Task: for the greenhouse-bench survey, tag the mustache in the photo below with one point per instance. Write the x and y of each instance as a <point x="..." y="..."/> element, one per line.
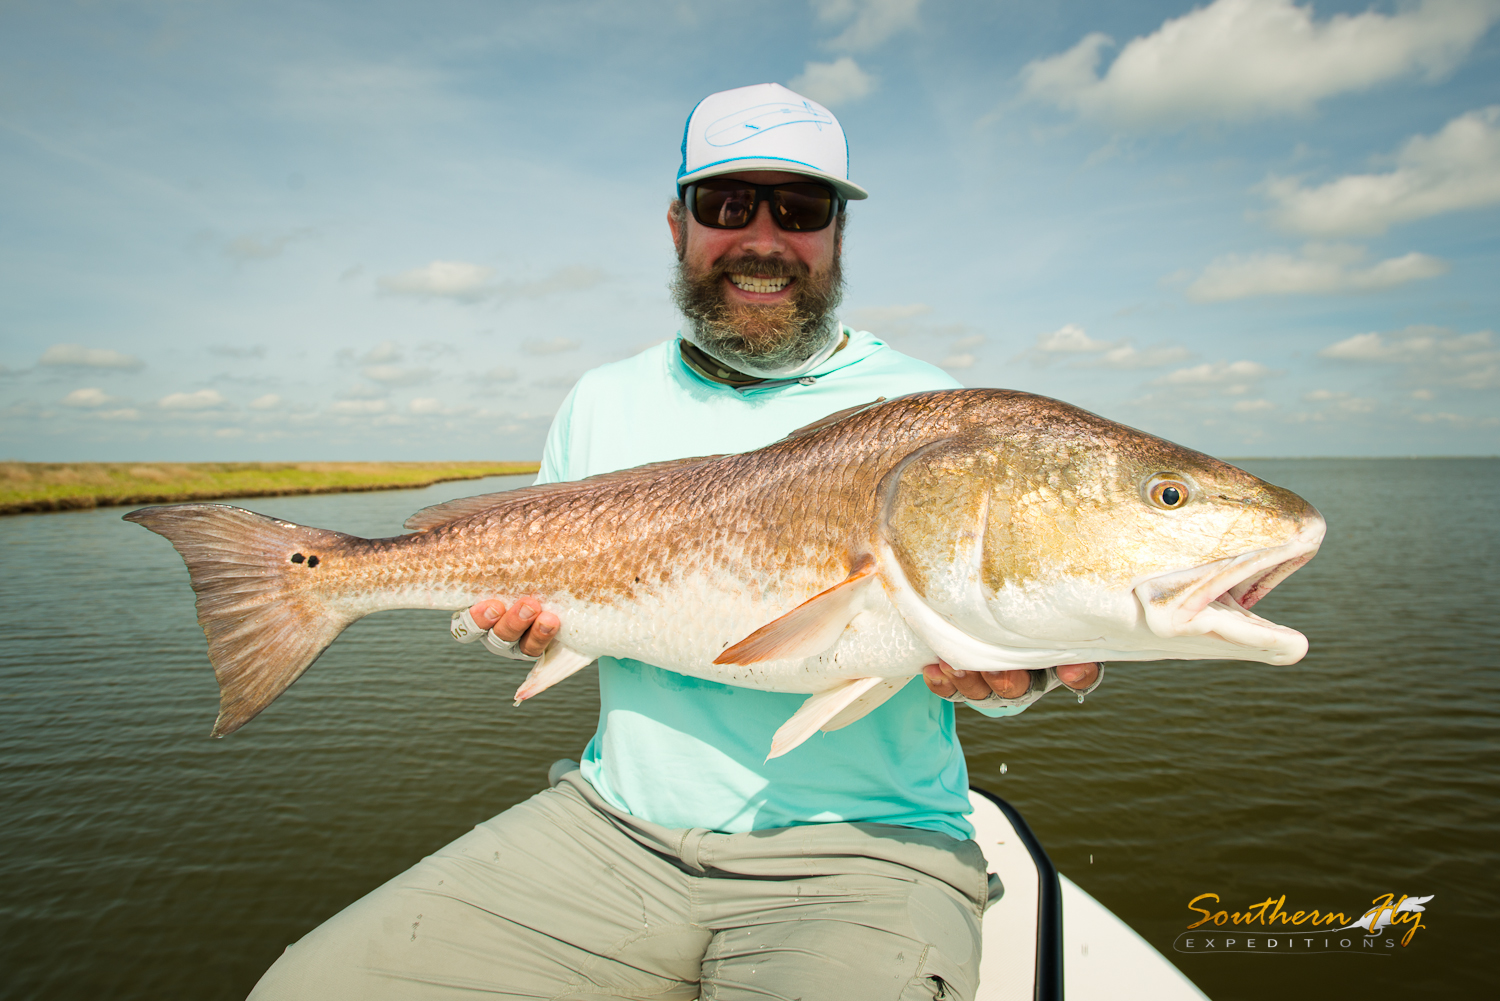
<point x="765" y="267"/>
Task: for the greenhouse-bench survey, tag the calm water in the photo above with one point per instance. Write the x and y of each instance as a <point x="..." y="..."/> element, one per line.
<point x="140" y="859"/>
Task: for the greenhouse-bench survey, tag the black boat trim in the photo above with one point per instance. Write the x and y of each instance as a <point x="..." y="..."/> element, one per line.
<point x="1049" y="918"/>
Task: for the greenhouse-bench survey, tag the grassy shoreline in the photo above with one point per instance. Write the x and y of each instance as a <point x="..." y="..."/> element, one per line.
<point x="27" y="487"/>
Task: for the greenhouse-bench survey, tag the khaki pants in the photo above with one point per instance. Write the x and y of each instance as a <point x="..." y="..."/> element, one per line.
<point x="564" y="897"/>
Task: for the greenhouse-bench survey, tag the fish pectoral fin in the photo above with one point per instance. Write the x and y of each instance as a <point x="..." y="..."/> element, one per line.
<point x="810" y="628"/>
<point x="816" y="711"/>
<point x="556" y="664"/>
<point x="866" y="703"/>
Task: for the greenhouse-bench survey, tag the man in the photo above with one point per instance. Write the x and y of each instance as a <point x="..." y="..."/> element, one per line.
<point x="676" y="862"/>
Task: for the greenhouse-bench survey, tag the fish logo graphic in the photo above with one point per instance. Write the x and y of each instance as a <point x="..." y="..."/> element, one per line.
<point x="751" y="122"/>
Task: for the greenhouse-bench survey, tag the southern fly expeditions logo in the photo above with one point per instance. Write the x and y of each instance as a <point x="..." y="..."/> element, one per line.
<point x="1268" y="927"/>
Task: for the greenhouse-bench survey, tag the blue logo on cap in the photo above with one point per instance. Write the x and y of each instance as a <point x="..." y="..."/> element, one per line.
<point x="761" y="119"/>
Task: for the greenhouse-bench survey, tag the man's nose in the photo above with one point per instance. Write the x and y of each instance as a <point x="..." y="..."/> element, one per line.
<point x="763" y="236"/>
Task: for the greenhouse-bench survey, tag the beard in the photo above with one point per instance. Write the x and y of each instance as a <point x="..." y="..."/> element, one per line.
<point x="769" y="337"/>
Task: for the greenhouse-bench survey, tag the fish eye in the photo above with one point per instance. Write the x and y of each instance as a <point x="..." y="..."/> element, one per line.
<point x="1166" y="491"/>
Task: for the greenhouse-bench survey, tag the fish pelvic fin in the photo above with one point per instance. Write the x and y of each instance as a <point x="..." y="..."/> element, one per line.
<point x="818" y="710"/>
<point x="557" y="663"/>
<point x="811" y="627"/>
<point x="261" y="636"/>
<point x="866" y="703"/>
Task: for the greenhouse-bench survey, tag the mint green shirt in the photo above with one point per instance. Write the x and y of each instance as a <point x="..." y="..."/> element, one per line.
<point x="683" y="752"/>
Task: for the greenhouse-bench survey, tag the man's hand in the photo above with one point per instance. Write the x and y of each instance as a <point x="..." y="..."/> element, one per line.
<point x="949" y="682"/>
<point x="523" y="619"/>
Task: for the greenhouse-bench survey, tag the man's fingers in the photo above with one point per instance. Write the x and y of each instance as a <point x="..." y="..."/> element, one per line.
<point x="939" y="682"/>
<point x="1078" y="675"/>
<point x="1007" y="684"/>
<point x="516" y="620"/>
<point x="487" y="612"/>
<point x="969" y="684"/>
<point x="524" y="621"/>
<point x="541" y="633"/>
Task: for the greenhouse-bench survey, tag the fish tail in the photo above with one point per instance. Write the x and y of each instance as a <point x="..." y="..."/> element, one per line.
<point x="263" y="631"/>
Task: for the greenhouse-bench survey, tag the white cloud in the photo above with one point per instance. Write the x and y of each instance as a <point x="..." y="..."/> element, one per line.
<point x="382" y="353"/>
<point x="397" y="375"/>
<point x="500" y="373"/>
<point x="965" y="343"/>
<point x="1427" y="354"/>
<point x="87" y="398"/>
<point x="958" y="361"/>
<point x="203" y="399"/>
<point x="889" y="321"/>
<point x="1070" y="339"/>
<point x="556" y="345"/>
<point x="1218" y="373"/>
<point x="1458" y="168"/>
<point x="833" y="84"/>
<point x="1252" y="406"/>
<point x="426" y="405"/>
<point x="364" y="391"/>
<point x="873" y="21"/>
<point x="1458" y="420"/>
<point x="1320" y="269"/>
<point x="1128" y="356"/>
<point x="270" y="401"/>
<point x="470" y="283"/>
<point x="359" y="408"/>
<point x="77" y="356"/>
<point x="570" y="279"/>
<point x="458" y="280"/>
<point x="261" y="247"/>
<point x="239" y="351"/>
<point x="1238" y="60"/>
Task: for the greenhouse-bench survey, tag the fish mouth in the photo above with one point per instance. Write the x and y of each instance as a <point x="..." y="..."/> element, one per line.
<point x="1214" y="600"/>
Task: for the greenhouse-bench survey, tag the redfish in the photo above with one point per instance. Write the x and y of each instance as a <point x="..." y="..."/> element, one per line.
<point x="993" y="529"/>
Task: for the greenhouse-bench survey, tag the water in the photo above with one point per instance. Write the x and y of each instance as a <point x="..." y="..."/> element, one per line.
<point x="140" y="859"/>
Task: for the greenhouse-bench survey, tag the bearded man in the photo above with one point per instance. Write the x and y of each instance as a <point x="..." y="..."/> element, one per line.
<point x="674" y="861"/>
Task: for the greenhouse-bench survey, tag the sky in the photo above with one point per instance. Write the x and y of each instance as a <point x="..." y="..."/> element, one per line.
<point x="267" y="231"/>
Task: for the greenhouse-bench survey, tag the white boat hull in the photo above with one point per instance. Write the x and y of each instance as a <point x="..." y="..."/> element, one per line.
<point x="1045" y="939"/>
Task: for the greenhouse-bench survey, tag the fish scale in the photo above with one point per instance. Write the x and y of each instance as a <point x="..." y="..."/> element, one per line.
<point x="990" y="528"/>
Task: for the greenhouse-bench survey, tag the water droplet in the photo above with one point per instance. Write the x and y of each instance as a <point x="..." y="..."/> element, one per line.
<point x="1004" y="768"/>
<point x="1080" y="698"/>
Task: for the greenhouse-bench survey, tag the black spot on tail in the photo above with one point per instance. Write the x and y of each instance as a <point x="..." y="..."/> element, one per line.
<point x="297" y="557"/>
<point x="312" y="561"/>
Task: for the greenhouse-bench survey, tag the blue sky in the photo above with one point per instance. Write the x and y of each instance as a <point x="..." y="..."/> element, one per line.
<point x="261" y="231"/>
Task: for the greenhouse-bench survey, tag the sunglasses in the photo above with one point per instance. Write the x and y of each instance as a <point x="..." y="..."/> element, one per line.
<point x="798" y="206"/>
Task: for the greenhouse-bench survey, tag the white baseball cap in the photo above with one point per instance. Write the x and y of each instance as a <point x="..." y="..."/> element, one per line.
<point x="765" y="127"/>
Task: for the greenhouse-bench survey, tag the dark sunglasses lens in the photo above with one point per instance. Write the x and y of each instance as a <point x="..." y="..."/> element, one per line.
<point x="801" y="207"/>
<point x="723" y="206"/>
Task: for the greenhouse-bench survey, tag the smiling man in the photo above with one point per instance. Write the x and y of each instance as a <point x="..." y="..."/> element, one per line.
<point x="674" y="861"/>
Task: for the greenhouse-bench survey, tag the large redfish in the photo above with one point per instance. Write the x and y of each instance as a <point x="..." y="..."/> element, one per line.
<point x="991" y="528"/>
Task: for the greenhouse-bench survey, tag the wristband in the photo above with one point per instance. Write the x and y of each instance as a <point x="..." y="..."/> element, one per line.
<point x="501" y="648"/>
<point x="464" y="629"/>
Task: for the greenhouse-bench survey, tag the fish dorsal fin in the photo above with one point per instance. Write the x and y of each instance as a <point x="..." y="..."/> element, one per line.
<point x="811" y="627"/>
<point x="866" y="703"/>
<point x="818" y="710"/>
<point x="831" y="419"/>
<point x="455" y="510"/>
<point x="557" y="663"/>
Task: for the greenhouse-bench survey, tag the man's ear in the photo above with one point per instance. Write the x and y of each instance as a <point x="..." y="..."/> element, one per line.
<point x="677" y="223"/>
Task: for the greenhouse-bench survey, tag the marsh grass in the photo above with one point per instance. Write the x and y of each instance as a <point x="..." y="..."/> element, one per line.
<point x="66" y="486"/>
